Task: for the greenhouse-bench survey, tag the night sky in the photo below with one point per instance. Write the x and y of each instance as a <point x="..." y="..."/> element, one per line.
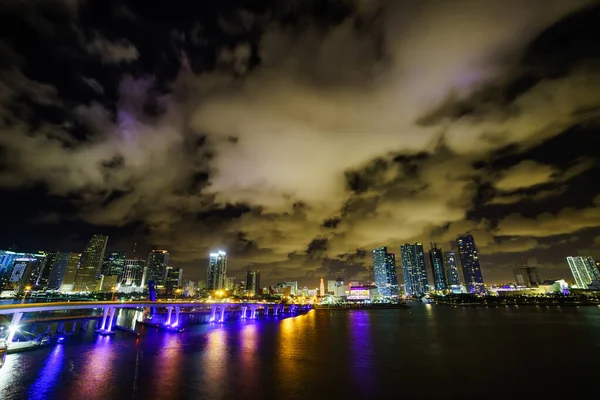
<point x="299" y="135"/>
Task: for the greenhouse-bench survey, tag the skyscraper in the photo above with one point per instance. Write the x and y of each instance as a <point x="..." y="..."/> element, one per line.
<point x="452" y="277"/>
<point x="252" y="282"/>
<point x="173" y="279"/>
<point x="469" y="259"/>
<point x="584" y="270"/>
<point x="66" y="267"/>
<point x="158" y="260"/>
<point x="113" y="263"/>
<point x="217" y="271"/>
<point x="44" y="277"/>
<point x="91" y="264"/>
<point x="437" y="267"/>
<point x="413" y="267"/>
<point x="133" y="274"/>
<point x="384" y="271"/>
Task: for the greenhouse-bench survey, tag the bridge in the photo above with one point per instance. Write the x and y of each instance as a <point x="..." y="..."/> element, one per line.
<point x="217" y="311"/>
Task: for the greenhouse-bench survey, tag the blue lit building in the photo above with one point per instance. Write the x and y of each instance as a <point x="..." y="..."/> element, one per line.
<point x="413" y="267"/>
<point x="452" y="277"/>
<point x="437" y="268"/>
<point x="384" y="271"/>
<point x="216" y="271"/>
<point x="469" y="259"/>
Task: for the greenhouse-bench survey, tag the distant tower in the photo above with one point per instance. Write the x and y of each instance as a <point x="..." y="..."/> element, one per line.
<point x="413" y="266"/>
<point x="90" y="267"/>
<point x="216" y="271"/>
<point x="252" y="282"/>
<point x="322" y="288"/>
<point x="384" y="272"/>
<point x="437" y="267"/>
<point x="158" y="260"/>
<point x="469" y="258"/>
<point x="452" y="277"/>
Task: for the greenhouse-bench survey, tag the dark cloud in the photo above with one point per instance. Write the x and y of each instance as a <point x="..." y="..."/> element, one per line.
<point x="292" y="134"/>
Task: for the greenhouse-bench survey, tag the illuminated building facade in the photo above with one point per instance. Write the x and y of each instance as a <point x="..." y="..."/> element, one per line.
<point x="437" y="268"/>
<point x="413" y="267"/>
<point x="452" y="276"/>
<point x="64" y="272"/>
<point x="158" y="260"/>
<point x="584" y="270"/>
<point x="384" y="271"/>
<point x="321" y="288"/>
<point x="113" y="263"/>
<point x="217" y="271"/>
<point x="90" y="266"/>
<point x="133" y="275"/>
<point x="252" y="282"/>
<point x="44" y="277"/>
<point x="174" y="280"/>
<point x="469" y="258"/>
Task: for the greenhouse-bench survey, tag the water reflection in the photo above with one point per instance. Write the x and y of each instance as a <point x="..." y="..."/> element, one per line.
<point x="48" y="376"/>
<point x="360" y="348"/>
<point x="215" y="362"/>
<point x="167" y="371"/>
<point x="96" y="375"/>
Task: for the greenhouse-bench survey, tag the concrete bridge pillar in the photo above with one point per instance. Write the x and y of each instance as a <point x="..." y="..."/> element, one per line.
<point x="253" y="314"/>
<point x="103" y="324"/>
<point x="169" y="311"/>
<point x="275" y="310"/>
<point x="49" y="330"/>
<point x="177" y="309"/>
<point x="244" y="308"/>
<point x="84" y="324"/>
<point x="14" y="326"/>
<point x="222" y="319"/>
<point x="113" y="312"/>
<point x="74" y="327"/>
<point x="61" y="327"/>
<point x="213" y="314"/>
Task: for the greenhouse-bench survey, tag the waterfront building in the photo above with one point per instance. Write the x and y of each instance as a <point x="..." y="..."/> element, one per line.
<point x="114" y="263"/>
<point x="109" y="283"/>
<point x="189" y="289"/>
<point x="229" y="282"/>
<point x="527" y="276"/>
<point x="174" y="280"/>
<point x="452" y="277"/>
<point x="437" y="267"/>
<point x="584" y="270"/>
<point x="158" y="260"/>
<point x="64" y="272"/>
<point x="384" y="270"/>
<point x="252" y="282"/>
<point x="44" y="276"/>
<point x="217" y="271"/>
<point x="413" y="267"/>
<point x="90" y="266"/>
<point x="469" y="258"/>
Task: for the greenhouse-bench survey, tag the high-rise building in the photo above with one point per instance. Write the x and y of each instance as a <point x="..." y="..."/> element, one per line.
<point x="44" y="277"/>
<point x="252" y="282"/>
<point x="113" y="263"/>
<point x="331" y="287"/>
<point x="158" y="260"/>
<point x="452" y="276"/>
<point x="384" y="271"/>
<point x="469" y="258"/>
<point x="437" y="267"/>
<point x="7" y="260"/>
<point x="217" y="271"/>
<point x="133" y="274"/>
<point x="413" y="267"/>
<point x="90" y="266"/>
<point x="584" y="270"/>
<point x="66" y="267"/>
<point x="527" y="276"/>
<point x="174" y="280"/>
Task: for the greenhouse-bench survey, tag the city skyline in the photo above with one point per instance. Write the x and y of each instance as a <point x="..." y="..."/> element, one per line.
<point x="298" y="147"/>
